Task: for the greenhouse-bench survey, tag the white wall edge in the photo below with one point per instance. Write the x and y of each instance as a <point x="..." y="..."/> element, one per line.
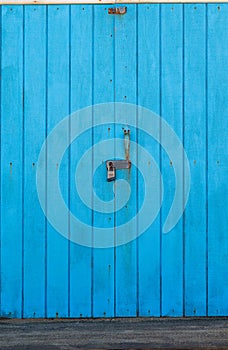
<point x="95" y="2"/>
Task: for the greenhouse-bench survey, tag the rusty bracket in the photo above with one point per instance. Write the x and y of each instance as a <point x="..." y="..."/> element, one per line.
<point x="117" y="10"/>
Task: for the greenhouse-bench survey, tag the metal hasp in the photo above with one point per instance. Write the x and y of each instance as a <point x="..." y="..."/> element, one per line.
<point x="117" y="10"/>
<point x="113" y="165"/>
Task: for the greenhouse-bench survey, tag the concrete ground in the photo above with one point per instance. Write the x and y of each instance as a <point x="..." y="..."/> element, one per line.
<point x="127" y="333"/>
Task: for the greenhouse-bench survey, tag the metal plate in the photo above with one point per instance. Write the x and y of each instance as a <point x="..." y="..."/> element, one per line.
<point x="119" y="164"/>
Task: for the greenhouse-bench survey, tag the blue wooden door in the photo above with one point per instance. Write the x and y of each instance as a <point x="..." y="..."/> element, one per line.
<point x="80" y="86"/>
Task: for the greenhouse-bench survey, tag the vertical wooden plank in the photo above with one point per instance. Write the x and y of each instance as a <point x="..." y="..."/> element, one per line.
<point x="1" y="159"/>
<point x="12" y="162"/>
<point x="149" y="97"/>
<point x="35" y="107"/>
<point x="81" y="96"/>
<point x="58" y="108"/>
<point x="172" y="108"/>
<point x="195" y="146"/>
<point x="217" y="160"/>
<point x="126" y="91"/>
<point x="103" y="259"/>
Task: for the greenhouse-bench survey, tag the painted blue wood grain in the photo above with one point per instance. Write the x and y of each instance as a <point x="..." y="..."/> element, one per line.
<point x="195" y="145"/>
<point x="217" y="160"/>
<point x="172" y="110"/>
<point x="125" y="91"/>
<point x="81" y="96"/>
<point x="55" y="60"/>
<point x="11" y="161"/>
<point x="57" y="109"/>
<point x="149" y="97"/>
<point x="34" y="136"/>
<point x="103" y="89"/>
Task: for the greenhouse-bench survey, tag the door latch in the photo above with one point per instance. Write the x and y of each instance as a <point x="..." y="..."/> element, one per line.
<point x="117" y="10"/>
<point x="113" y="165"/>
